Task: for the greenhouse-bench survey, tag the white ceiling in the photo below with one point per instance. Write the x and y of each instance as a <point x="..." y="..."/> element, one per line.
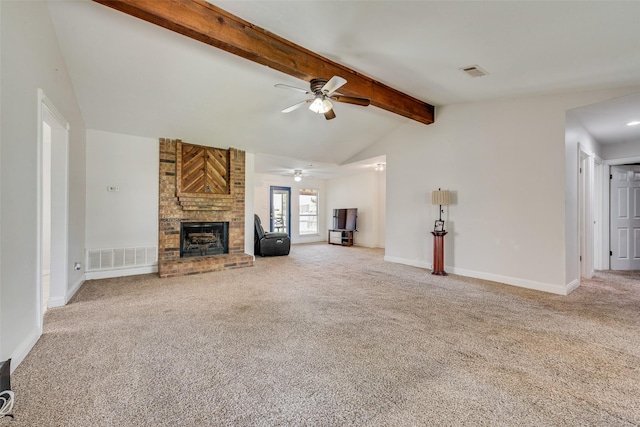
<point x="607" y="121"/>
<point x="136" y="78"/>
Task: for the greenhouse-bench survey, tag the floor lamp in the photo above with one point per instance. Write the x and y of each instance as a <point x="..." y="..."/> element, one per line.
<point x="440" y="198"/>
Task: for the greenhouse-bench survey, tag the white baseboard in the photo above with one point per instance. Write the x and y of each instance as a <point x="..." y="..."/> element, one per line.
<point x="513" y="281"/>
<point x="507" y="280"/>
<point x="24" y="348"/>
<point x="56" y="302"/>
<point x="76" y="286"/>
<point x="573" y="286"/>
<point x="411" y="262"/>
<point x="121" y="272"/>
<point x="60" y="302"/>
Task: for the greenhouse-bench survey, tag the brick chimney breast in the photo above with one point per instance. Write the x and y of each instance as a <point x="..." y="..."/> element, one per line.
<point x="200" y="184"/>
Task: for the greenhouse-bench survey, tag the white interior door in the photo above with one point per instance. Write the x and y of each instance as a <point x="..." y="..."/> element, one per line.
<point x="625" y="217"/>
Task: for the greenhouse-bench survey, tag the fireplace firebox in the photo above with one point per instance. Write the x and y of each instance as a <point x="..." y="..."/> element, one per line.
<point x="203" y="239"/>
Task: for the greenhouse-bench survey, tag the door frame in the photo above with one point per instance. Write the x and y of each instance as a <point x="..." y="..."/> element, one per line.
<point x="58" y="290"/>
<point x="585" y="212"/>
<point x="598" y="214"/>
<point x="279" y="188"/>
<point x="606" y="205"/>
<point x="593" y="213"/>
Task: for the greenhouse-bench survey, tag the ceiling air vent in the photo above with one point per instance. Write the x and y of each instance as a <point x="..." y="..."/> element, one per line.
<point x="474" y="71"/>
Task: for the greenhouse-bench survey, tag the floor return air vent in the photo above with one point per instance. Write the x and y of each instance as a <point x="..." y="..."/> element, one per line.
<point x="111" y="259"/>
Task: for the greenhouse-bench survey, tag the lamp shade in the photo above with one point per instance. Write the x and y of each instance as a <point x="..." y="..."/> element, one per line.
<point x="440" y="197"/>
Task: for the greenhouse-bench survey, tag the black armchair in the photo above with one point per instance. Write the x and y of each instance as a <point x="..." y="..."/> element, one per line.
<point x="269" y="244"/>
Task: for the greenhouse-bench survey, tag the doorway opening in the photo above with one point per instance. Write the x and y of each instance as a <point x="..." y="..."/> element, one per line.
<point x="599" y="131"/>
<point x="280" y="210"/>
<point x="624" y="217"/>
<point x="53" y="155"/>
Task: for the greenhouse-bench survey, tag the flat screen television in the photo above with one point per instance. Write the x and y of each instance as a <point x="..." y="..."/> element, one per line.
<point x="345" y="219"/>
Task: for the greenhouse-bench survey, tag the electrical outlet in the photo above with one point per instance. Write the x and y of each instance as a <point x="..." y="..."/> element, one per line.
<point x="77" y="266"/>
<point x="112" y="188"/>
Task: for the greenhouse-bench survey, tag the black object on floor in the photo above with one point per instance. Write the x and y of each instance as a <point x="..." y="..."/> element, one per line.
<point x="6" y="396"/>
<point x="5" y="375"/>
<point x="269" y="244"/>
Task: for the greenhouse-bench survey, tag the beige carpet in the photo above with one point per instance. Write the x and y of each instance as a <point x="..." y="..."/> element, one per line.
<point x="334" y="336"/>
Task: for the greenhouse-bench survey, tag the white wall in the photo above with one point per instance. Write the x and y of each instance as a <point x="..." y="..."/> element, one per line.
<point x="31" y="59"/>
<point x="366" y="192"/>
<point x="2" y="353"/>
<point x="576" y="133"/>
<point x="509" y="169"/>
<point x="46" y="198"/>
<point x="128" y="217"/>
<point x="382" y="208"/>
<point x="621" y="151"/>
<point x="262" y="185"/>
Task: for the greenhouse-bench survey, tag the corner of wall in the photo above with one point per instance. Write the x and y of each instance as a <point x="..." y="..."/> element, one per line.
<point x="24" y="347"/>
<point x="2" y="355"/>
<point x="572" y="286"/>
<point x="249" y="202"/>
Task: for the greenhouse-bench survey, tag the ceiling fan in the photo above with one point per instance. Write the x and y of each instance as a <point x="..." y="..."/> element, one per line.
<point x="298" y="174"/>
<point x="324" y="92"/>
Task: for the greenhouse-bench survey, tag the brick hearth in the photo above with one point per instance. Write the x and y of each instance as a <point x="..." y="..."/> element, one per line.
<point x="173" y="210"/>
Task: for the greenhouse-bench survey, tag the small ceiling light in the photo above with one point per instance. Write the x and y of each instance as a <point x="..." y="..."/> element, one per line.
<point x="633" y="123"/>
<point x="380" y="167"/>
<point x="320" y="104"/>
<point x="297" y="175"/>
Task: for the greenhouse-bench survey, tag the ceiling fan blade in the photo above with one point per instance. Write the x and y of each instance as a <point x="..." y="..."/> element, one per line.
<point x="332" y="85"/>
<point x="297" y="89"/>
<point x="330" y="115"/>
<point x="296" y="106"/>
<point x="351" y="100"/>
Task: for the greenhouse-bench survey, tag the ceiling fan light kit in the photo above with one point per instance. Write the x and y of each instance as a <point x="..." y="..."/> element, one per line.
<point x="297" y="175"/>
<point x="324" y="91"/>
<point x="320" y="104"/>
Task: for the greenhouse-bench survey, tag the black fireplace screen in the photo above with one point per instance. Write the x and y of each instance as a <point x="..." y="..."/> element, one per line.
<point x="204" y="238"/>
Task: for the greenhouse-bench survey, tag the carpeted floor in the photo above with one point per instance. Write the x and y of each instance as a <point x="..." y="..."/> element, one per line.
<point x="334" y="336"/>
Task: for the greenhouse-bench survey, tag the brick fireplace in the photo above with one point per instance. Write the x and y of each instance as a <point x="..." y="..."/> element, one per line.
<point x="200" y="185"/>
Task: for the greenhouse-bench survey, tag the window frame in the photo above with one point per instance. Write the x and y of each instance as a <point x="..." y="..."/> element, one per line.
<point x="313" y="192"/>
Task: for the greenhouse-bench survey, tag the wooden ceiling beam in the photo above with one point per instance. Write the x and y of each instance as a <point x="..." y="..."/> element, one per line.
<point x="209" y="24"/>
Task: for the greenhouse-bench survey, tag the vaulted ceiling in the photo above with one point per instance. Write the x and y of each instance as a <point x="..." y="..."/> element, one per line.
<point x="137" y="78"/>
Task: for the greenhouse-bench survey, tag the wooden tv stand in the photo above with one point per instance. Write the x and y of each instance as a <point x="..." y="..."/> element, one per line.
<point x="341" y="237"/>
